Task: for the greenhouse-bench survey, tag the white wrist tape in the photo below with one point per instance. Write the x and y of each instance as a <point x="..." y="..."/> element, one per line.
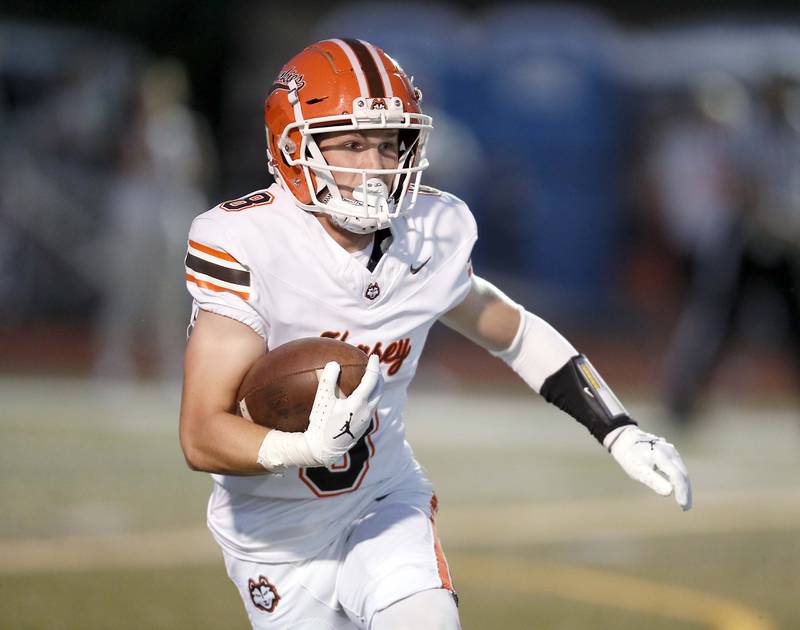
<point x="537" y="351"/>
<point x="280" y="450"/>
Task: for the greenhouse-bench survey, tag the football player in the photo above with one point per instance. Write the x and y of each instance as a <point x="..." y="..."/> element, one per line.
<point x="332" y="529"/>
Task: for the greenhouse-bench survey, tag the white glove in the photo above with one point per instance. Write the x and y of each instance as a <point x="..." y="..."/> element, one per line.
<point x="651" y="460"/>
<point x="334" y="426"/>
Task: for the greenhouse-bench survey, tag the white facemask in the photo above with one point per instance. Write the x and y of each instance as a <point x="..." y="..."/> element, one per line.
<point x="374" y="203"/>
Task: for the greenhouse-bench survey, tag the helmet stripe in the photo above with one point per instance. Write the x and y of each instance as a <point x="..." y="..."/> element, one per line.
<point x="387" y="85"/>
<point x="370" y="68"/>
<point x="351" y="57"/>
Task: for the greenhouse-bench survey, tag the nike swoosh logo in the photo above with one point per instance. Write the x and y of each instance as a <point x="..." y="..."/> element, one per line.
<point x="415" y="270"/>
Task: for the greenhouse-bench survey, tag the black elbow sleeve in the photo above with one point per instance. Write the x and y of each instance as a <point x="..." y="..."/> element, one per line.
<point x="580" y="391"/>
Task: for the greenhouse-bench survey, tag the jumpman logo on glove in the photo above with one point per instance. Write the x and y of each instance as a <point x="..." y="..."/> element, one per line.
<point x="345" y="430"/>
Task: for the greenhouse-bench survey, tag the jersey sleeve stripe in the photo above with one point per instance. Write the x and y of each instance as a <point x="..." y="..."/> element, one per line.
<point x="215" y="287"/>
<point x="205" y="267"/>
<point x="212" y="252"/>
<point x="216" y="281"/>
<point x="213" y="259"/>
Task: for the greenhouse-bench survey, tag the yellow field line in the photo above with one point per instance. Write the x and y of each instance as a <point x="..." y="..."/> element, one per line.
<point x="610" y="590"/>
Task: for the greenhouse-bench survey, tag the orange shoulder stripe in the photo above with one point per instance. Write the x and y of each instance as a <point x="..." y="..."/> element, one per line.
<point x="214" y="287"/>
<point x="213" y="252"/>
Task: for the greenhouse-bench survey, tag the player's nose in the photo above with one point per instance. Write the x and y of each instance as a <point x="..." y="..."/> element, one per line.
<point x="374" y="158"/>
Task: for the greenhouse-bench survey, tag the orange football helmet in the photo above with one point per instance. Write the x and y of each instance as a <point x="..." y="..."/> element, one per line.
<point x="345" y="85"/>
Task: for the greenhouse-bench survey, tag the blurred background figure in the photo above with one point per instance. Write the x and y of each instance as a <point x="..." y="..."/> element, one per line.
<point x="166" y="165"/>
<point x="694" y="169"/>
<point x="738" y="184"/>
<point x="64" y="102"/>
<point x="103" y="166"/>
<point x="692" y="165"/>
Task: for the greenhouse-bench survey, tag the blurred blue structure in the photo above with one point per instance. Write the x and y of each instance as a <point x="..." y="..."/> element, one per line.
<point x="553" y="112"/>
<point x="537" y="89"/>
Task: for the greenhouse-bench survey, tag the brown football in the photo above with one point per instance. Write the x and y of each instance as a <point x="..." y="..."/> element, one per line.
<point x="278" y="390"/>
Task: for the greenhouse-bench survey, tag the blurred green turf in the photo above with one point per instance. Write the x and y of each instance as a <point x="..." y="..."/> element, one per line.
<point x="746" y="567"/>
<point x="124" y="599"/>
<point x="203" y="599"/>
<point x="78" y="459"/>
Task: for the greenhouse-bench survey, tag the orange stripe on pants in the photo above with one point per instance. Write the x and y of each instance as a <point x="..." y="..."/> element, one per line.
<point x="441" y="561"/>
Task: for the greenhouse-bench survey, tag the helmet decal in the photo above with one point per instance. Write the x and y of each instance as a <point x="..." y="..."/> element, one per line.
<point x="286" y="76"/>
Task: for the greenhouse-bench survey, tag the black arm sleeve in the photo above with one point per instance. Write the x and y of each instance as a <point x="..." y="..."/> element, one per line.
<point x="578" y="390"/>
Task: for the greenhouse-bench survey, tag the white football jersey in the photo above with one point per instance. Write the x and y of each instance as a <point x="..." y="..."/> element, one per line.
<point x="265" y="262"/>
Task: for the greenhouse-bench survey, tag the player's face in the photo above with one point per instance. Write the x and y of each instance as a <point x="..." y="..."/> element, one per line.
<point x="376" y="148"/>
